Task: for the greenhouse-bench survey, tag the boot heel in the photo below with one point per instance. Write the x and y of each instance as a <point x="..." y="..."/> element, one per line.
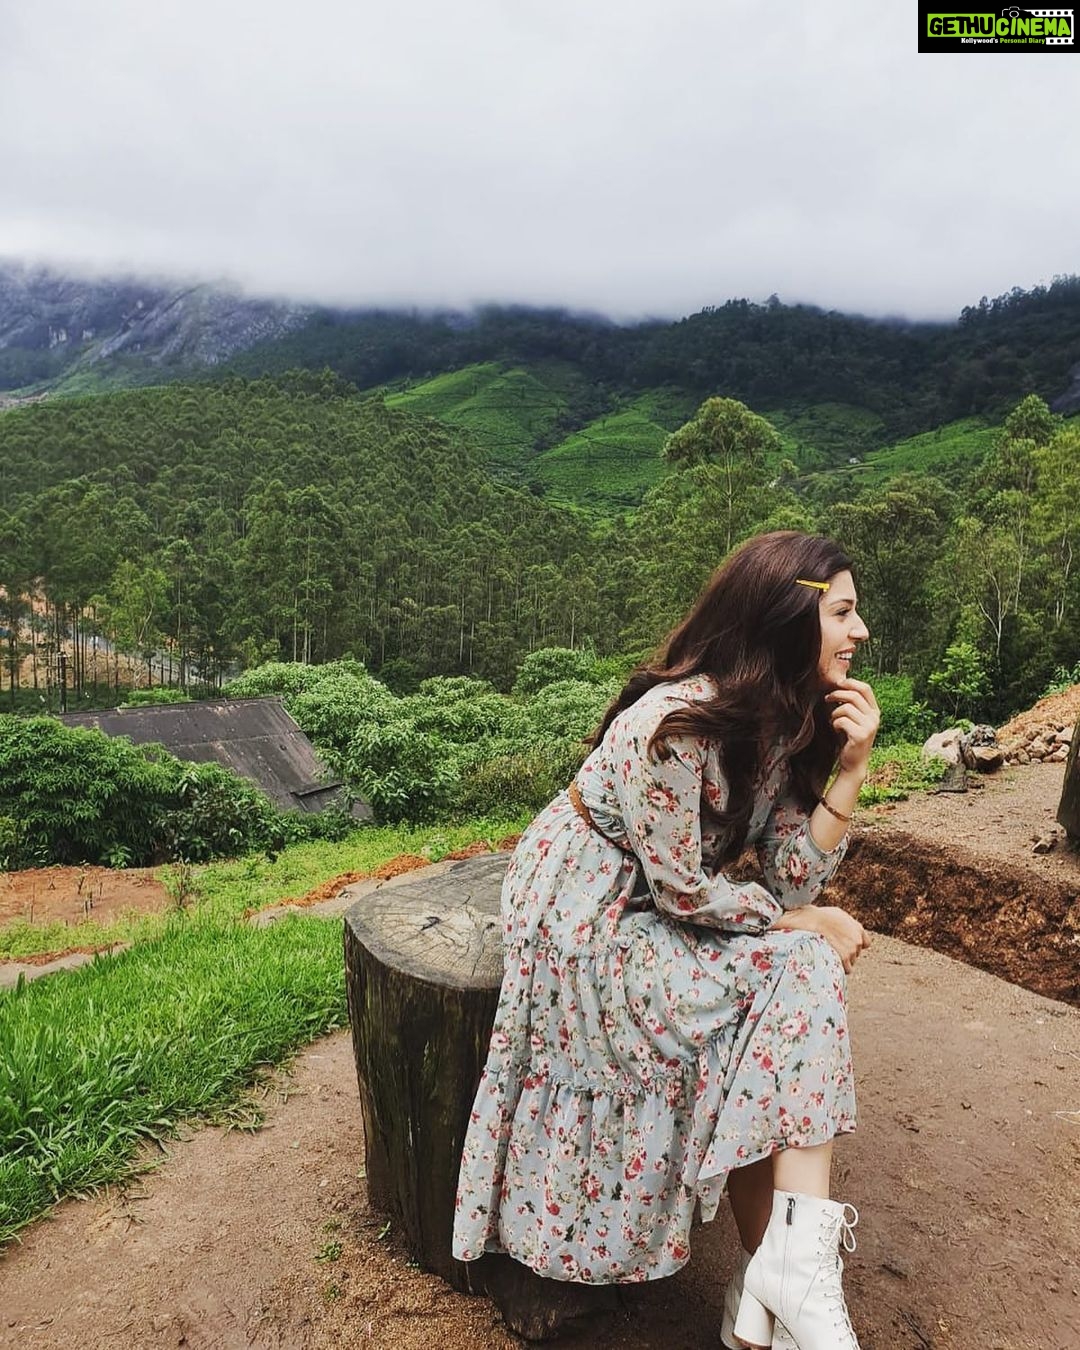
<point x="754" y="1324"/>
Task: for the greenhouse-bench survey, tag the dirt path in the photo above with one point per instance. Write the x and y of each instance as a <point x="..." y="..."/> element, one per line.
<point x="965" y="1170"/>
<point x="1001" y="816"/>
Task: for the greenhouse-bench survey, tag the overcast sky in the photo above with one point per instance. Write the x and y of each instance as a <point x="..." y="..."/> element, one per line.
<point x="628" y="156"/>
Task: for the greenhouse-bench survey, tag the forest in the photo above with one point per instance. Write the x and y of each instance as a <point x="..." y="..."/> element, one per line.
<point x="915" y="376"/>
<point x="295" y="518"/>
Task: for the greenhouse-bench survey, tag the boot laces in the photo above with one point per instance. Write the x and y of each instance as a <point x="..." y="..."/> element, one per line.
<point x="836" y="1231"/>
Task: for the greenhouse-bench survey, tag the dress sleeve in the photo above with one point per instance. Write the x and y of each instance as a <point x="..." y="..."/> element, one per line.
<point x="661" y="809"/>
<point x="795" y="867"/>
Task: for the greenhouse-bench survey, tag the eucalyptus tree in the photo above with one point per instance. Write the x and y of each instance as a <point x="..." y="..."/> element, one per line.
<point x="1056" y="519"/>
<point x="736" y="445"/>
<point x="895" y="535"/>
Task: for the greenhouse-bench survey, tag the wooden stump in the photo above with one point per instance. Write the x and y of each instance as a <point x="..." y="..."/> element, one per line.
<point x="423" y="966"/>
<point x="1068" y="812"/>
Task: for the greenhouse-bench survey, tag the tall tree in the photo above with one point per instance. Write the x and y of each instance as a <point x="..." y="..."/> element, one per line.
<point x="736" y="444"/>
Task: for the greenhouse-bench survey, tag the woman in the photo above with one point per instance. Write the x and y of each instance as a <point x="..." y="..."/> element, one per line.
<point x="665" y="1030"/>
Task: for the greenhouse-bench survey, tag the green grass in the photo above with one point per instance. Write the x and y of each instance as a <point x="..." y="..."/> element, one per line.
<point x="613" y="460"/>
<point x="507" y="410"/>
<point x="95" y="1062"/>
<point x="227" y="889"/>
<point x="896" y="771"/>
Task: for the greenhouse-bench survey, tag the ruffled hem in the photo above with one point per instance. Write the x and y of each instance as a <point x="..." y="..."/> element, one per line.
<point x="598" y="1188"/>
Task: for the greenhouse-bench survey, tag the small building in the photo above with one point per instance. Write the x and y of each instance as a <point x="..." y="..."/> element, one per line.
<point x="255" y="737"/>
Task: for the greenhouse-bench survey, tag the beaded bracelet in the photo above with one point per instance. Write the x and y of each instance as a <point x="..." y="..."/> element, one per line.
<point x="833" y="811"/>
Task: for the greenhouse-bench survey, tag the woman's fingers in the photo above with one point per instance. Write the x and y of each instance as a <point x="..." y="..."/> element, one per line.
<point x="854" y="699"/>
<point x="847" y="937"/>
<point x="856" y="731"/>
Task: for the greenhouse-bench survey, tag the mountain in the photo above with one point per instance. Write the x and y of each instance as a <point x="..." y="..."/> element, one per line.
<point x="574" y="406"/>
<point x="80" y="335"/>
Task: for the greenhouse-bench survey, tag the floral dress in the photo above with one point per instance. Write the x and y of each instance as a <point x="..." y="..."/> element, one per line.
<point x="652" y="1031"/>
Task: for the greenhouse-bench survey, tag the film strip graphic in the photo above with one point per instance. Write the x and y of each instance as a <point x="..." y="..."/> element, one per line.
<point x="1055" y="14"/>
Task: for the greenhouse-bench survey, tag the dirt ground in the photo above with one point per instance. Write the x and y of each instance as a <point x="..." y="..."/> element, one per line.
<point x="71" y="894"/>
<point x="965" y="1170"/>
<point x="1001" y="816"/>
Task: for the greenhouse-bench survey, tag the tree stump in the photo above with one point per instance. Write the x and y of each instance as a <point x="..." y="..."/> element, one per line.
<point x="1068" y="812"/>
<point x="423" y="966"/>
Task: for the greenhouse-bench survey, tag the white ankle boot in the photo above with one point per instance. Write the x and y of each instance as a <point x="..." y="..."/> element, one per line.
<point x="781" y="1339"/>
<point x="795" y="1275"/>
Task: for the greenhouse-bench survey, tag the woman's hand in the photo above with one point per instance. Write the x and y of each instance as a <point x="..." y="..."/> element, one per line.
<point x="844" y="934"/>
<point x="856" y="716"/>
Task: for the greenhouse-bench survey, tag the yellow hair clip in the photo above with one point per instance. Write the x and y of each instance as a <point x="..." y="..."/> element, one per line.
<point x="817" y="585"/>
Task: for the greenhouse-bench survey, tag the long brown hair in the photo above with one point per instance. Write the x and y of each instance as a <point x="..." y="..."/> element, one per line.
<point x="757" y="633"/>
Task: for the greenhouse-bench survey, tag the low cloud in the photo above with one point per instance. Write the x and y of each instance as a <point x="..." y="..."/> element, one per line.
<point x="633" y="157"/>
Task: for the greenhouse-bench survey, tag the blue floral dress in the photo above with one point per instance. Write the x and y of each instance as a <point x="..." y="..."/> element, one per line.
<point x="652" y="1031"/>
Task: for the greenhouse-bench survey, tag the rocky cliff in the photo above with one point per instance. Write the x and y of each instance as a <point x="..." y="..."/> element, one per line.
<point x="54" y="327"/>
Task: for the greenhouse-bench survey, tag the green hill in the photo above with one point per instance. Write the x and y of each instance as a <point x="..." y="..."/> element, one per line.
<point x="509" y="411"/>
<point x="824" y="435"/>
<point x="612" y="461"/>
<point x="951" y="452"/>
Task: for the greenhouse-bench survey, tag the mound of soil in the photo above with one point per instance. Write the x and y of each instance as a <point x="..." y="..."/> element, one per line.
<point x="1036" y="734"/>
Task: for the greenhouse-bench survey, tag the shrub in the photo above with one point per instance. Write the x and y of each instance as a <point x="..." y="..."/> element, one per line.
<point x="402" y="773"/>
<point x="218" y="815"/>
<point x="453" y="688"/>
<point x="274" y="677"/>
<point x="569" y="708"/>
<point x="80" y="796"/>
<point x="327" y="702"/>
<point x="330" y="709"/>
<point x="896" y="771"/>
<point x="519" y="779"/>
<point x="467" y="721"/>
<point x="1062" y="679"/>
<point x="962" y="680"/>
<point x="548" y="665"/>
<point x="152" y="698"/>
<point x="903" y="717"/>
<point x="400" y="675"/>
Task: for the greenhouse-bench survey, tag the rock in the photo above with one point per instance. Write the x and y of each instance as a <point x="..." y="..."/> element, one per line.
<point x="1022" y="757"/>
<point x="987" y="758"/>
<point x="944" y="745"/>
<point x="955" y="779"/>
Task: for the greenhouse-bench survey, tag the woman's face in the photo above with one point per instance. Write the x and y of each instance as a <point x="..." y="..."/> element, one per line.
<point x="841" y="630"/>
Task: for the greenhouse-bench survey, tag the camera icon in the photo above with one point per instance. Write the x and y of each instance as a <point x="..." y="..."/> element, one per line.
<point x="1013" y="12"/>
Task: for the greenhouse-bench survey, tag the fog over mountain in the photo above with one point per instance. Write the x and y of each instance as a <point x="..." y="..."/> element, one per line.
<point x="620" y="156"/>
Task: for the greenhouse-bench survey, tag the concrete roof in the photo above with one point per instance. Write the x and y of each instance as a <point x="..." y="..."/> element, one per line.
<point x="255" y="737"/>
